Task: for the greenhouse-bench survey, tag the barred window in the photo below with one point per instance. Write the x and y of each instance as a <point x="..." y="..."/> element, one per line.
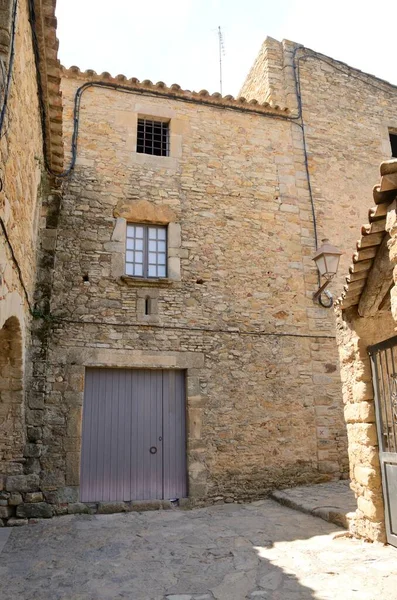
<point x="146" y="252"/>
<point x="153" y="137"/>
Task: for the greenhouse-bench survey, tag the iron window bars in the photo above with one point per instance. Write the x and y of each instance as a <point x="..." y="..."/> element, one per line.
<point x="146" y="251"/>
<point x="153" y="137"/>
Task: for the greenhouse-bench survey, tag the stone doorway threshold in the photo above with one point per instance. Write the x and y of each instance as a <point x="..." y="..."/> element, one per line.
<point x="334" y="501"/>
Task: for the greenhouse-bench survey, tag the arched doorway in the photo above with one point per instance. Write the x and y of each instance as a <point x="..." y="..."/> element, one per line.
<point x="12" y="430"/>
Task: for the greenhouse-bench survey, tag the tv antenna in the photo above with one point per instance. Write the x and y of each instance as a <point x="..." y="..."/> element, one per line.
<point x="221" y="53"/>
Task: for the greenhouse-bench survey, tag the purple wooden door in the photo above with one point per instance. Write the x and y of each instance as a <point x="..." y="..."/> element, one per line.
<point x="133" y="439"/>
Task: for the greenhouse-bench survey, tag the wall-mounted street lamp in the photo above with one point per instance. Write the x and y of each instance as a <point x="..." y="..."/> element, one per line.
<point x="327" y="262"/>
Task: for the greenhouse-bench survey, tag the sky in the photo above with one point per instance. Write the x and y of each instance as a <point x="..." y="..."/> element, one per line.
<point x="176" y="41"/>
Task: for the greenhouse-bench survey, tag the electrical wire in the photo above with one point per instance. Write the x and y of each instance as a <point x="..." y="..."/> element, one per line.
<point x="56" y="320"/>
<point x="10" y="66"/>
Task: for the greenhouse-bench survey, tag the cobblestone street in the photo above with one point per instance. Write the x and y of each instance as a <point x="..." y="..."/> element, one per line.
<point x="225" y="552"/>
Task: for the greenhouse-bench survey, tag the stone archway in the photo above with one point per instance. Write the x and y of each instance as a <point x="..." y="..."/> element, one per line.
<point x="12" y="429"/>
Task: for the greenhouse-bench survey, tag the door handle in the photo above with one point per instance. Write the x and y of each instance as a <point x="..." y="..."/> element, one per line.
<point x="153" y="450"/>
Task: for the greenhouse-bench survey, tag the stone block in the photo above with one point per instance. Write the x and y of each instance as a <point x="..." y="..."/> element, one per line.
<point x="174" y="268"/>
<point x="72" y="468"/>
<point x="362" y="433"/>
<point x="374" y="512"/>
<point x="360" y="412"/>
<point x="52" y="479"/>
<point x="367" y="477"/>
<point x="174" y="235"/>
<point x="195" y="422"/>
<point x="67" y="494"/>
<point x="363" y="390"/>
<point x="14" y="522"/>
<point x="74" y="421"/>
<point x="362" y="370"/>
<point x="35" y="434"/>
<point x="79" y="508"/>
<point x="107" y="508"/>
<point x="32" y="497"/>
<point x="22" y="483"/>
<point x="6" y="512"/>
<point x="39" y="510"/>
<point x="15" y="499"/>
<point x="60" y="509"/>
<point x="32" y="466"/>
<point x="33" y="450"/>
<point x="119" y="231"/>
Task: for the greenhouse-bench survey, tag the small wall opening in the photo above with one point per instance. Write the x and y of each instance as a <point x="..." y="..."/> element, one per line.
<point x="12" y="431"/>
<point x="148" y="306"/>
<point x="393" y="144"/>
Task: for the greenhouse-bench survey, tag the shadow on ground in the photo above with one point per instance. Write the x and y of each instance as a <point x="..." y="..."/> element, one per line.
<point x="226" y="552"/>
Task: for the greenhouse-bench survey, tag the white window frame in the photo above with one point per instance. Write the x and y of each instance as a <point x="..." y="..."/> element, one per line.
<point x="146" y="255"/>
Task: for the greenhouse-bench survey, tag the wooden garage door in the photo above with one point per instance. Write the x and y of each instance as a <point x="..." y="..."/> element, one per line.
<point x="133" y="439"/>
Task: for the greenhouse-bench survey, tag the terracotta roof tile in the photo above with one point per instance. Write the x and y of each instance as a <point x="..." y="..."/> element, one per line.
<point x="45" y="28"/>
<point x="372" y="235"/>
<point x="176" y="91"/>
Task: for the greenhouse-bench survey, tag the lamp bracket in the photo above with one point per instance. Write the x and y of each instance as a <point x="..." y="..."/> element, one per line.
<point x="320" y="290"/>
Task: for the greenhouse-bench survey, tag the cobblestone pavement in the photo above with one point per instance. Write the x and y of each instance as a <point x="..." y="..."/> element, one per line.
<point x="225" y="552"/>
<point x="333" y="501"/>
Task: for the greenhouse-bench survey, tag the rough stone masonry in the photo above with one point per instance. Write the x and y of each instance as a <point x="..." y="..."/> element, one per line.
<point x="235" y="312"/>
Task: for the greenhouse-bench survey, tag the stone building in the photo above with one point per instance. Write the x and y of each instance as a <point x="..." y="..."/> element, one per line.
<point x="28" y="58"/>
<point x="176" y="350"/>
<point x="367" y="342"/>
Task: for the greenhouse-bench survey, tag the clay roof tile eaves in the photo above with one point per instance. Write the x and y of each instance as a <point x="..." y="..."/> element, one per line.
<point x="50" y="74"/>
<point x="175" y="91"/>
<point x="372" y="235"/>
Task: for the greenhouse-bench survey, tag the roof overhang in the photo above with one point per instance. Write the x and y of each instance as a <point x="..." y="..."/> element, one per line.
<point x="371" y="273"/>
<point x="44" y="25"/>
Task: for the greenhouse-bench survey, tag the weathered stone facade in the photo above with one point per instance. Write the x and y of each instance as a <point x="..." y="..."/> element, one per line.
<point x="355" y="335"/>
<point x="21" y="176"/>
<point x="237" y="194"/>
<point x="23" y="185"/>
<point x="366" y="316"/>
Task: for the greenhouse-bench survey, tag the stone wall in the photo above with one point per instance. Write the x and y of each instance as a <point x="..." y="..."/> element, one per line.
<point x="263" y="400"/>
<point x="347" y="115"/>
<point x="20" y="157"/>
<point x="355" y="334"/>
<point x="264" y="406"/>
<point x="23" y="184"/>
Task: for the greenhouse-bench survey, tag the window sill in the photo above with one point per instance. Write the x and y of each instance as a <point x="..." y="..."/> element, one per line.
<point x="141" y="282"/>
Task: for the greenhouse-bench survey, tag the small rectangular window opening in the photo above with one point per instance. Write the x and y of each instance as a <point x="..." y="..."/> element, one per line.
<point x="147" y="306"/>
<point x="393" y="144"/>
<point x="153" y="137"/>
<point x="146" y="251"/>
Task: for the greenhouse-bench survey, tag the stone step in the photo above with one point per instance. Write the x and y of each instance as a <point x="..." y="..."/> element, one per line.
<point x="333" y="502"/>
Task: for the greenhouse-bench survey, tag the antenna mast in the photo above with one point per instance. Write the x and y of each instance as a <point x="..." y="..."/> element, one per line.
<point x="221" y="53"/>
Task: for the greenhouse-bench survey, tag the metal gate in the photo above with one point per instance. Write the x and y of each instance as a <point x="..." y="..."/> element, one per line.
<point x="133" y="438"/>
<point x="384" y="373"/>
